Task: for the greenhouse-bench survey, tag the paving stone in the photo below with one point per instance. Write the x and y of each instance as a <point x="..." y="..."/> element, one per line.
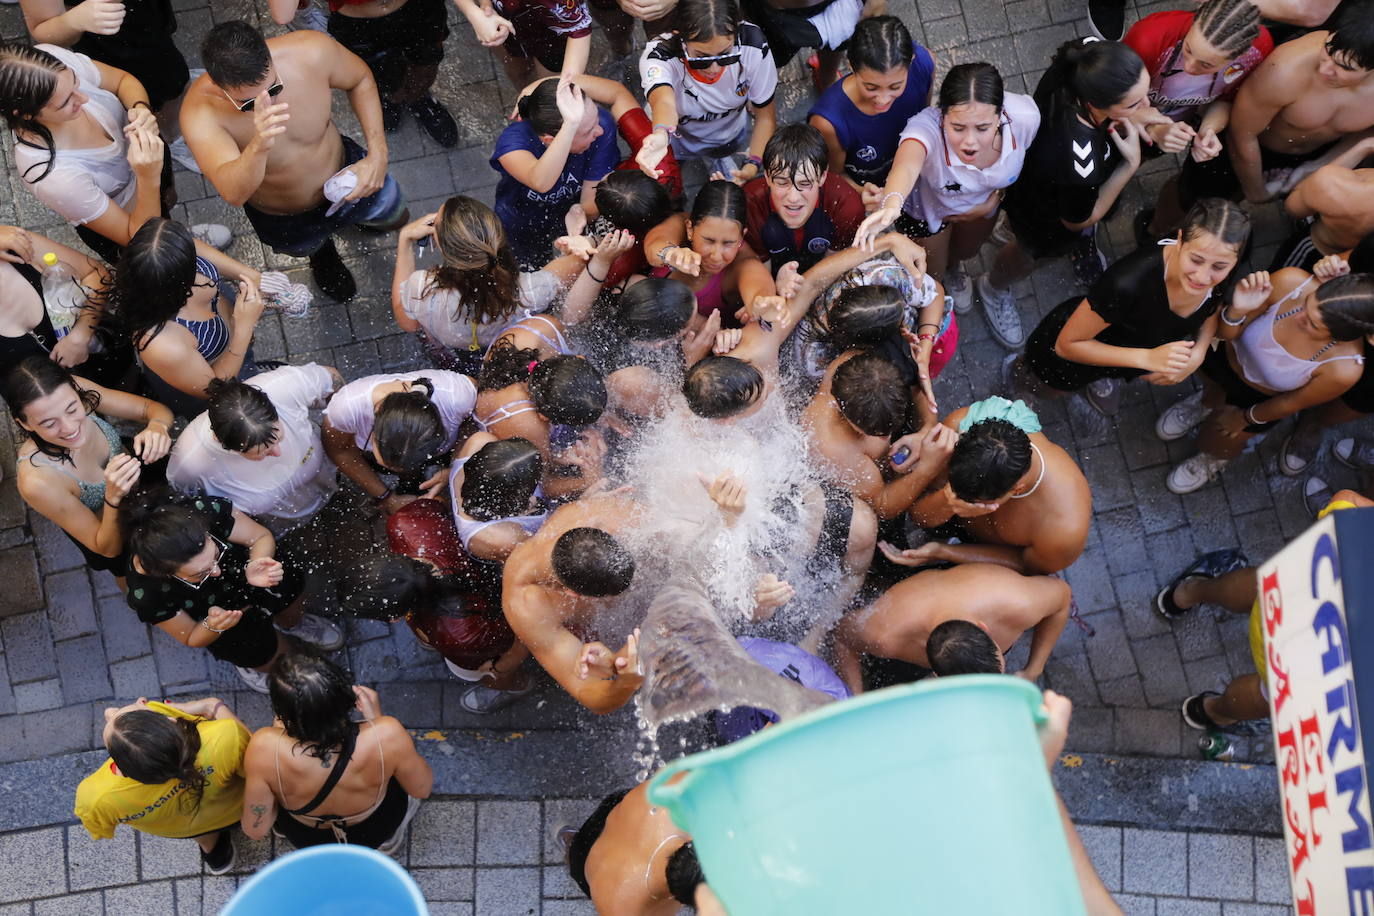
<point x="56" y="731"/>
<point x="442" y="834"/>
<point x="1247" y="489"/>
<point x="1161" y="670"/>
<point x="1174" y="906"/>
<point x="1109" y="651"/>
<point x="1104" y="848"/>
<point x="507" y="891"/>
<point x="154" y="899"/>
<point x="8" y="704"/>
<point x="29" y="863"/>
<point x="1197" y="635"/>
<point x="444" y="883"/>
<point x="91" y="903"/>
<point x="1136" y="596"/>
<point x="1125" y="691"/>
<point x="135" y="677"/>
<point x="1221" y="866"/>
<point x="1091" y="583"/>
<point x="1211" y="673"/>
<point x="164" y="857"/>
<point x="1151" y="732"/>
<point x="123" y="634"/>
<point x="1259" y="533"/>
<point x="448" y="908"/>
<point x="569" y="908"/>
<point x="188" y="894"/>
<point x="1135" y="904"/>
<point x="36" y="695"/>
<point x="1123" y="540"/>
<point x="1271" y="871"/>
<point x="215" y="891"/>
<point x="1155" y="861"/>
<point x="1091" y="730"/>
<point x="418" y="705"/>
<point x="1070" y="675"/>
<point x="1105" y="469"/>
<point x="563" y="812"/>
<point x="1231" y="908"/>
<point x="28" y="648"/>
<point x="56" y="551"/>
<point x="508" y="833"/>
<point x="71" y="608"/>
<point x="1140" y="447"/>
<point x="101" y="863"/>
<point x="558" y="882"/>
<point x="81" y="665"/>
<point x="178" y="664"/>
<point x="1209" y="519"/>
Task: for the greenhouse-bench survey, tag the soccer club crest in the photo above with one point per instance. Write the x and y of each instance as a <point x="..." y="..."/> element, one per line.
<point x="866" y="153"/>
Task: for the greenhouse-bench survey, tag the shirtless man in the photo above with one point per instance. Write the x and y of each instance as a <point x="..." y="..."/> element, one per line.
<point x="1338" y="198"/>
<point x="1021" y="501"/>
<point x="260" y="125"/>
<point x="631" y="859"/>
<point x="1294" y="108"/>
<point x="852" y="426"/>
<point x="961" y="620"/>
<point x="552" y="586"/>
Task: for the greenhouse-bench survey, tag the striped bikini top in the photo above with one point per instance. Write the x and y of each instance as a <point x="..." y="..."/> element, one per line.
<point x="212" y="334"/>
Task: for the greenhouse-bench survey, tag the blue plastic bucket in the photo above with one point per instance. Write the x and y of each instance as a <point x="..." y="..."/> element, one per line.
<point x="926" y="798"/>
<point x="331" y="880"/>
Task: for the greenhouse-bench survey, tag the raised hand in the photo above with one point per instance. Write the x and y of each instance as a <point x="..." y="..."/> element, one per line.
<point x="912" y="556"/>
<point x="728" y="492"/>
<point x="269" y="120"/>
<point x="683" y="260"/>
<point x="153" y="442"/>
<point x="1206" y="145"/>
<point x="789" y="280"/>
<point x="121" y="473"/>
<point x="99" y="17"/>
<point x="571" y="104"/>
<point x="698" y="343"/>
<point x="1251" y="294"/>
<point x="1170" y="358"/>
<point x="219" y="619"/>
<point x="264" y="572"/>
<point x="651" y="153"/>
<point x="492" y="29"/>
<point x="874" y="224"/>
<point x="16" y="245"/>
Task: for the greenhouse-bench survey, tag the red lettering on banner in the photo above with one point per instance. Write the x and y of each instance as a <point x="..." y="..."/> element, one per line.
<point x="1272" y="602"/>
<point x="1310" y="732"/>
<point x="1307" y="903"/>
<point x="1283" y="689"/>
<point x="1288" y="754"/>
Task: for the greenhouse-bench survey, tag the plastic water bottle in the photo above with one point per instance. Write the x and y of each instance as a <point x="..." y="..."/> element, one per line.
<point x="62" y="295"/>
<point x="1216" y="746"/>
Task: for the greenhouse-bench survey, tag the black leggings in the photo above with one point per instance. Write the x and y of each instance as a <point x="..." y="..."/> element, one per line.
<point x="373" y="831"/>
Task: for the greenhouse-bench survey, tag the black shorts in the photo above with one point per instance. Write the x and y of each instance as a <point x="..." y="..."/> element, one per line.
<point x="1217" y="178"/>
<point x="376" y="829"/>
<point x="1040" y="238"/>
<point x="143" y="47"/>
<point x="391" y="44"/>
<point x="1236" y="390"/>
<point x="787" y="31"/>
<point x="252" y="641"/>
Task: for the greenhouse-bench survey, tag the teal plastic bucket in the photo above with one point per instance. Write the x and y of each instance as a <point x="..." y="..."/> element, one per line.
<point x="331" y="880"/>
<point x="926" y="798"/>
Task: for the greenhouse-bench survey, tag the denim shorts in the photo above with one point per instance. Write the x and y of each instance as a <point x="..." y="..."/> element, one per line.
<point x="303" y="234"/>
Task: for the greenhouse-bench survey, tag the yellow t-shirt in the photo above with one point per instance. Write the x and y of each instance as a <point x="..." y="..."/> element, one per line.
<point x="106" y="798"/>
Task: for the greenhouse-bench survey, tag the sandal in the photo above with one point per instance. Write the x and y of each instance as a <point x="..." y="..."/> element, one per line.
<point x="1208" y="566"/>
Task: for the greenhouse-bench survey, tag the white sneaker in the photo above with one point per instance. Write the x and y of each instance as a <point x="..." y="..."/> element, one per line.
<point x="311" y="17"/>
<point x="1181" y="418"/>
<point x="182" y="155"/>
<point x="999" y="305"/>
<point x="256" y="680"/>
<point x="317" y="630"/>
<point x="1194" y="473"/>
<point x="958" y="289"/>
<point x="216" y="235"/>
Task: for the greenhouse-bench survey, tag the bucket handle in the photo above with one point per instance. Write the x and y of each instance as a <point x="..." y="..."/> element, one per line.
<point x="661" y="793"/>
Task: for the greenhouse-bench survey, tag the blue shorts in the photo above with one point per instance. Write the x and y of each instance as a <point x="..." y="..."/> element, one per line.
<point x="303" y="234"/>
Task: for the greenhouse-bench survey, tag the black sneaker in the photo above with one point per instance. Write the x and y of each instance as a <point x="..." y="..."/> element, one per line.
<point x="436" y="121"/>
<point x="332" y="275"/>
<point x="1316" y="495"/>
<point x="220" y="859"/>
<point x="392" y="116"/>
<point x="1195" y="713"/>
<point x="1208" y="566"/>
<point x="1107" y="19"/>
<point x="1088" y="262"/>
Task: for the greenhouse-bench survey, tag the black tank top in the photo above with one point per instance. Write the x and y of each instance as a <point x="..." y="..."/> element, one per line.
<point x="40" y="339"/>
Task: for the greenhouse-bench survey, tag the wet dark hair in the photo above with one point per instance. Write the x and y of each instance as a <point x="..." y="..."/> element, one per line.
<point x="988" y="460"/>
<point x="724" y="199"/>
<point x="28" y="78"/>
<point x="235" y="54"/>
<point x="656" y="309"/>
<point x="1347" y="306"/>
<point x="880" y="43"/>
<point x="1099" y="73"/>
<point x="871" y="394"/>
<point x="961" y="647"/>
<point x="500" y="478"/>
<point x="702" y="20"/>
<point x="586" y="837"/>
<point x="1222" y="219"/>
<point x="795" y="149"/>
<point x="864" y="316"/>
<point x="591" y="562"/>
<point x="721" y="386"/>
<point x="477" y="262"/>
<point x="564" y="389"/>
<point x="152" y="748"/>
<point x="684" y="874"/>
<point x="386" y="586"/>
<point x="153" y="279"/>
<point x="633" y="201"/>
<point x="977" y="82"/>
<point x="408" y="428"/>
<point x="162" y="531"/>
<point x="1230" y="26"/>
<point x="37" y="377"/>
<point x="242" y="416"/>
<point x="1352" y="34"/>
<point x="539" y="108"/>
<point x="313" y="698"/>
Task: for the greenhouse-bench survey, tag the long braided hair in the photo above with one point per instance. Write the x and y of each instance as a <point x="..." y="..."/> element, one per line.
<point x="1230" y="26"/>
<point x="1347" y="306"/>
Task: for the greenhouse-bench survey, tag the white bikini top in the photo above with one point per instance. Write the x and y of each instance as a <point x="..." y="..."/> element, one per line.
<point x="468" y="527"/>
<point x="1263" y="360"/>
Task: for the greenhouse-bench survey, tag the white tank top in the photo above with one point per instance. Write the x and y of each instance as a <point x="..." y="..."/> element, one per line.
<point x="468" y="527"/>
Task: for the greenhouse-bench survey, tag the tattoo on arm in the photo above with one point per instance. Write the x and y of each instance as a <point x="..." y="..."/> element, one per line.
<point x="259" y="811"/>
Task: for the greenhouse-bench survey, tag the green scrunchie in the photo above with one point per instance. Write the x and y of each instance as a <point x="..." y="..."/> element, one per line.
<point x="999" y="408"/>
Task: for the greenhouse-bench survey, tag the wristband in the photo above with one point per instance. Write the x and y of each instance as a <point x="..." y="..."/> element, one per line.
<point x="1250" y="417"/>
<point x="1234" y="324"/>
<point x="112" y="505"/>
<point x="927" y="324"/>
<point x="219" y="704"/>
<point x="663" y="254"/>
<point x="925" y="336"/>
<point x="670" y="131"/>
<point x="143" y="103"/>
<point x="212" y="629"/>
<point x="755" y="161"/>
<point x="383" y="497"/>
<point x="882" y="205"/>
<point x="593" y="276"/>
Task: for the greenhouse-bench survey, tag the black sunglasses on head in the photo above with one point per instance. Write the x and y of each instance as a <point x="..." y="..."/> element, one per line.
<point x="272" y="93"/>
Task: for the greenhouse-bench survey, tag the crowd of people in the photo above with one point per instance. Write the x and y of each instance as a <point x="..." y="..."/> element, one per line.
<point x="716" y="270"/>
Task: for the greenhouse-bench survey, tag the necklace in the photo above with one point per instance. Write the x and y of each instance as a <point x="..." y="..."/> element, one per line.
<point x="1038" y="480"/>
<point x="1289" y="314"/>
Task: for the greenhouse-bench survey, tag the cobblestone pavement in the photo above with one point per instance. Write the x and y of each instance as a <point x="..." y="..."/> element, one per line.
<point x="70" y="646"/>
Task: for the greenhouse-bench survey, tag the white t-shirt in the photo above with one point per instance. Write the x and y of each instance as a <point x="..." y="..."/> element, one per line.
<point x="83" y="181"/>
<point x="711" y="115"/>
<point x="948" y="186"/>
<point x="443" y="317"/>
<point x="293" y="485"/>
<point x="351" y="410"/>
